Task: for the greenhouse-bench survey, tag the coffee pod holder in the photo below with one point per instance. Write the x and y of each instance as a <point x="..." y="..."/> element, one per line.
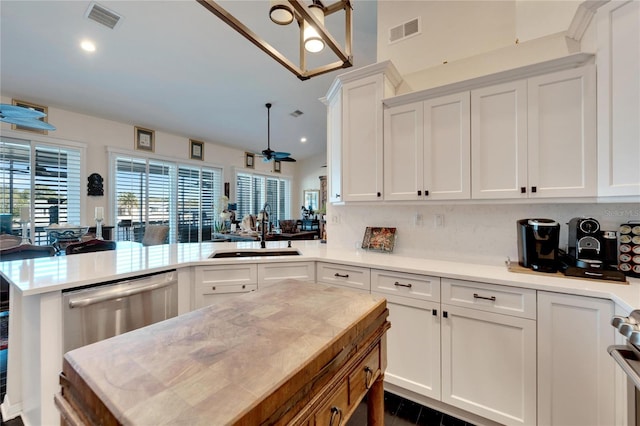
<point x="629" y="249"/>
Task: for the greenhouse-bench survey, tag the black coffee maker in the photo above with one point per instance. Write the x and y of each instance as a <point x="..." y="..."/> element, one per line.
<point x="538" y="241"/>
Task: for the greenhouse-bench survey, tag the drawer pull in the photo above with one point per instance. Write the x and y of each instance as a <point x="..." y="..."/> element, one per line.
<point x="434" y="312"/>
<point x="335" y="412"/>
<point x="244" y="286"/>
<point x="213" y="288"/>
<point x="340" y="275"/>
<point x="368" y="377"/>
<point x="397" y="284"/>
<point x="492" y="298"/>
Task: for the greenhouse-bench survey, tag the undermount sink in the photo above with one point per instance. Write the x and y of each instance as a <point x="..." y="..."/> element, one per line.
<point x="218" y="254"/>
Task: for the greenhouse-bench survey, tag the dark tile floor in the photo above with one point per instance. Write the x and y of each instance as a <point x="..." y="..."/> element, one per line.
<point x="402" y="412"/>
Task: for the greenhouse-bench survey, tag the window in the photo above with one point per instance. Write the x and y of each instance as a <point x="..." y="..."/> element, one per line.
<point x="150" y="191"/>
<point x="43" y="177"/>
<point x="253" y="190"/>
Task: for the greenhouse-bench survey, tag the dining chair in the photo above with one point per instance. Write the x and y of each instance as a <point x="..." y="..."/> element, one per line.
<point x="26" y="251"/>
<point x="90" y="246"/>
<point x="9" y="240"/>
<point x="155" y="234"/>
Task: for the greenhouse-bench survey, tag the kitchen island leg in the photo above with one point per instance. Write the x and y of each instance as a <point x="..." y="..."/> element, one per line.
<point x="375" y="403"/>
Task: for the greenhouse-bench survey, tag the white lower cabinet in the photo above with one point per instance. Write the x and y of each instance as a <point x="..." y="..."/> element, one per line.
<point x="576" y="375"/>
<point x="218" y="282"/>
<point x="489" y="357"/>
<point x="413" y="341"/>
<point x="274" y="272"/>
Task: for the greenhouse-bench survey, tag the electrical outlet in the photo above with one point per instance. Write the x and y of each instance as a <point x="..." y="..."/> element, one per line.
<point x="335" y="219"/>
<point x="418" y="220"/>
<point x="439" y="221"/>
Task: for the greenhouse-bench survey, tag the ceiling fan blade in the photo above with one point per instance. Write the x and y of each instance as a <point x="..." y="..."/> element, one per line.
<point x="7" y="110"/>
<point x="279" y="155"/>
<point x="31" y="123"/>
<point x="287" y="159"/>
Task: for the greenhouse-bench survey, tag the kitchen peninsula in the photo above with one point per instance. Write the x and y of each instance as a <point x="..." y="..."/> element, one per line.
<point x="36" y="332"/>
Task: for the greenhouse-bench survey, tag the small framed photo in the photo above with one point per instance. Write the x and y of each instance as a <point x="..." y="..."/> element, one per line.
<point x="35" y="107"/>
<point x="144" y="139"/>
<point x="197" y="150"/>
<point x="277" y="167"/>
<point x="249" y="160"/>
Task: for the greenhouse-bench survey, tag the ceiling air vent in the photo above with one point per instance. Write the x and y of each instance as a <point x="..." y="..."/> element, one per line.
<point x="404" y="30"/>
<point x="296" y="113"/>
<point x="102" y="15"/>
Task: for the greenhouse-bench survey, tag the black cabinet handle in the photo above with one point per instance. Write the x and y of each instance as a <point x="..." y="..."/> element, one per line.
<point x="213" y="288"/>
<point x="445" y="314"/>
<point x="340" y="275"/>
<point x="534" y="189"/>
<point x="337" y="195"/>
<point x="419" y="192"/>
<point x="434" y="312"/>
<point x="492" y="298"/>
<point x="426" y="193"/>
<point x="244" y="286"/>
<point x="397" y="284"/>
<point x="379" y="194"/>
<point x="523" y="189"/>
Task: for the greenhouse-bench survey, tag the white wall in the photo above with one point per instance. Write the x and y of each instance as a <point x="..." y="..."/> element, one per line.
<point x="98" y="134"/>
<point x="309" y="174"/>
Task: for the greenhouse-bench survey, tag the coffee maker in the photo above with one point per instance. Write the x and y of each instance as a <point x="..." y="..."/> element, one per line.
<point x="538" y="241"/>
<point x="585" y="243"/>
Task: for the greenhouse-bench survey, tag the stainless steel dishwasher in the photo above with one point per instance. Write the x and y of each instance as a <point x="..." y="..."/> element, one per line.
<point x="105" y="310"/>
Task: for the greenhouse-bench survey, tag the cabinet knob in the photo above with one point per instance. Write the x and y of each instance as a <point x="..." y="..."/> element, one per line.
<point x="534" y="189"/>
<point x="445" y="314"/>
<point x="434" y="312"/>
<point x="379" y="194"/>
<point x="523" y="189"/>
<point x="337" y="195"/>
<point x="244" y="286"/>
<point x="426" y="193"/>
<point x="213" y="288"/>
<point x="419" y="192"/>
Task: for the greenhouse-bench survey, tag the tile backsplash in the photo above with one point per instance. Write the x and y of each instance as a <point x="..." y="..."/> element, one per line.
<point x="476" y="233"/>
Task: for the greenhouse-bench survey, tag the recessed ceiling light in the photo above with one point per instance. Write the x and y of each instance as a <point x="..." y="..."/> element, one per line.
<point x="303" y="140"/>
<point x="88" y="45"/>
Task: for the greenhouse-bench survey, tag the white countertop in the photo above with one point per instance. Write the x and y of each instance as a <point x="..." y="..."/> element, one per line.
<point x="36" y="276"/>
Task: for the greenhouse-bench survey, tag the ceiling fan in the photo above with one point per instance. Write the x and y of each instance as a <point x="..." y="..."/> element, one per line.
<point x="24" y="117"/>
<point x="269" y="154"/>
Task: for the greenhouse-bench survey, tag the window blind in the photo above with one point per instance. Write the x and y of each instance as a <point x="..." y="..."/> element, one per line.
<point x="253" y="190"/>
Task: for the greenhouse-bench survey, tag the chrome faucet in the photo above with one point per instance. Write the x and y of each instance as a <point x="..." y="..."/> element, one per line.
<point x="263" y="223"/>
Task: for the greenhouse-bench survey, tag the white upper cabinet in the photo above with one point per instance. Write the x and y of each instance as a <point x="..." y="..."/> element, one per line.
<point x="561" y="145"/>
<point x="618" y="59"/>
<point x="355" y="131"/>
<point x="535" y="138"/>
<point x="427" y="149"/>
<point x="499" y="141"/>
<point x="362" y="139"/>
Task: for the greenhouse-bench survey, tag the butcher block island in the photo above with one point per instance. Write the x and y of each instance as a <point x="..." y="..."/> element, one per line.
<point x="290" y="353"/>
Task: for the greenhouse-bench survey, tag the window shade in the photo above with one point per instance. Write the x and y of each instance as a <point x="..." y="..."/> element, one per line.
<point x="253" y="190"/>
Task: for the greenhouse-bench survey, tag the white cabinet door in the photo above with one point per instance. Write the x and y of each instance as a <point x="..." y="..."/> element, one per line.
<point x="499" y="141"/>
<point x="274" y="272"/>
<point x="334" y="147"/>
<point x="447" y="148"/>
<point x="619" y="98"/>
<point x="562" y="134"/>
<point x="575" y="373"/>
<point x="413" y="345"/>
<point x="489" y="364"/>
<point x="362" y="139"/>
<point x="403" y="152"/>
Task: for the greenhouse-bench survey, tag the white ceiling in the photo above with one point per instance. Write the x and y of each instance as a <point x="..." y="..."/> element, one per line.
<point x="173" y="66"/>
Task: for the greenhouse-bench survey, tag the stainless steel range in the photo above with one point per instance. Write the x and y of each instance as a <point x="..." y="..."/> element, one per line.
<point x="628" y="356"/>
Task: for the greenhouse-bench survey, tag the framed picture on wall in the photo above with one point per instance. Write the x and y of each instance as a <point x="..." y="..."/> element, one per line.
<point x="277" y="167"/>
<point x="43" y="109"/>
<point x="197" y="150"/>
<point x="144" y="139"/>
<point x="249" y="159"/>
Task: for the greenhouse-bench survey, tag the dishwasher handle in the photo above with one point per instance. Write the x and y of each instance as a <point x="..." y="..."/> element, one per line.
<point x="118" y="293"/>
<point x="627" y="360"/>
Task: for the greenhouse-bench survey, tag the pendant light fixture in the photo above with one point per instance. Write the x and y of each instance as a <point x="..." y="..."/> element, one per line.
<point x="313" y="34"/>
<point x="313" y="43"/>
<point x="281" y="12"/>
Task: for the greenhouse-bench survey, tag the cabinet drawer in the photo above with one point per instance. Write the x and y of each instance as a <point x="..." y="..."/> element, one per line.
<point x="519" y="302"/>
<point x="409" y="285"/>
<point x="272" y="272"/>
<point x="226" y="274"/>
<point x="364" y="375"/>
<point x="203" y="289"/>
<point x="345" y="276"/>
<point x="335" y="411"/>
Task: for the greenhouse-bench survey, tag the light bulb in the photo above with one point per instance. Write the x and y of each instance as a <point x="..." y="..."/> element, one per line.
<point x="313" y="43"/>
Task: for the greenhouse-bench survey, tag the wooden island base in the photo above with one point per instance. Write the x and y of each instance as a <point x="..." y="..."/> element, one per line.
<point x="289" y="353"/>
